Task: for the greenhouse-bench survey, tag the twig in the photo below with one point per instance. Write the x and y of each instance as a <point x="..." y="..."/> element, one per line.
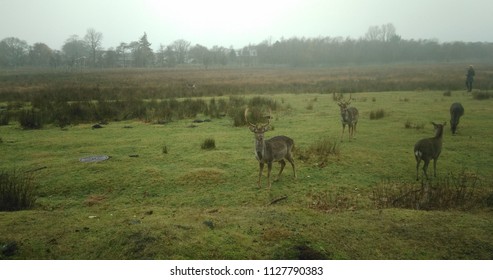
<point x="278" y="199"/>
<point x="36" y="169"/>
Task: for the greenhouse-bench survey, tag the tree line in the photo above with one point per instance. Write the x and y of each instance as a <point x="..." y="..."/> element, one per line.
<point x="380" y="44"/>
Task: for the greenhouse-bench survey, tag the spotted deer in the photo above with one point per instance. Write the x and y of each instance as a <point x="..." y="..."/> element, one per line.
<point x="349" y="117"/>
<point x="428" y="149"/>
<point x="278" y="148"/>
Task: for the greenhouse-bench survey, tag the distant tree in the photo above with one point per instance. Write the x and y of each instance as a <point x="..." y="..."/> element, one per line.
<point x="181" y="48"/>
<point x="13" y="52"/>
<point x="76" y="51"/>
<point x="56" y="58"/>
<point x="93" y="40"/>
<point x="142" y="52"/>
<point x="383" y="33"/>
<point x="170" y="56"/>
<point x="110" y="58"/>
<point x="200" y="55"/>
<point x="121" y="51"/>
<point x="40" y="55"/>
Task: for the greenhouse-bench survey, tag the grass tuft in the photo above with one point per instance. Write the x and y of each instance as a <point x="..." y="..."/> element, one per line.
<point x="378" y="114"/>
<point x="16" y="191"/>
<point x="208" y="144"/>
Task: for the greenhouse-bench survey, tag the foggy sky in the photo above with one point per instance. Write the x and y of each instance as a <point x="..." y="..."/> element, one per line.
<point x="239" y="23"/>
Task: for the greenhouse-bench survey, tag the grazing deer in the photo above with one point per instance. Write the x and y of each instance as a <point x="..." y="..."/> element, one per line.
<point x="428" y="149"/>
<point x="278" y="148"/>
<point x="456" y="111"/>
<point x="349" y="117"/>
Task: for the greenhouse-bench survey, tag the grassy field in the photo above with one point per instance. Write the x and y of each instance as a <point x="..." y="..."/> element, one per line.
<point x="160" y="196"/>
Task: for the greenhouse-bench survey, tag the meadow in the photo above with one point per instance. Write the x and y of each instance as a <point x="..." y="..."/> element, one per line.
<point x="161" y="195"/>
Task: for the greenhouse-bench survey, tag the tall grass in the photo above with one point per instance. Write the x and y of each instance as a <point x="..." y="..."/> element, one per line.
<point x="17" y="191"/>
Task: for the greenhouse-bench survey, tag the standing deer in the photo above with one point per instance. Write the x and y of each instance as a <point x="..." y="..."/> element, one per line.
<point x="278" y="148"/>
<point x="428" y="149"/>
<point x="349" y="117"/>
<point x="456" y="111"/>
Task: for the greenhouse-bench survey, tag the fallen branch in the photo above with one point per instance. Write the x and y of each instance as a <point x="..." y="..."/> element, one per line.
<point x="278" y="199"/>
<point x="36" y="169"/>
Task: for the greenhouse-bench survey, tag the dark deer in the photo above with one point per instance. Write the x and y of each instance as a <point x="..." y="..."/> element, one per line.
<point x="349" y="117"/>
<point x="456" y="111"/>
<point x="428" y="149"/>
<point x="278" y="148"/>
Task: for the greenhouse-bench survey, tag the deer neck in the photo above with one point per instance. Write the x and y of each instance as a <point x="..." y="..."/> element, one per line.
<point x="439" y="134"/>
<point x="260" y="149"/>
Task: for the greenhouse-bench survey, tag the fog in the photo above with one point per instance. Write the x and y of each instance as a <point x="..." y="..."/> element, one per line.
<point x="239" y="23"/>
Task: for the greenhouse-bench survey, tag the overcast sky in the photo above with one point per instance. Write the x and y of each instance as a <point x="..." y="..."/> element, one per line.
<point x="238" y="23"/>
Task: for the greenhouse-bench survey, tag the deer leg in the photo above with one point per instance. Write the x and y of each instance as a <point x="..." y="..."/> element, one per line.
<point x="434" y="167"/>
<point x="425" y="167"/>
<point x="261" y="169"/>
<point x="290" y="159"/>
<point x="269" y="168"/>
<point x="418" y="161"/>
<point x="283" y="163"/>
<point x="343" y="128"/>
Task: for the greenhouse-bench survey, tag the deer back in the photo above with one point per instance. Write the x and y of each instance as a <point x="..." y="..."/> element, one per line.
<point x="277" y="148"/>
<point x="456" y="111"/>
<point x="430" y="148"/>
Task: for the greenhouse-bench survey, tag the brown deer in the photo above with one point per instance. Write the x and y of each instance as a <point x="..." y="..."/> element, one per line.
<point x="428" y="149"/>
<point x="349" y="117"/>
<point x="278" y="148"/>
<point x="456" y="111"/>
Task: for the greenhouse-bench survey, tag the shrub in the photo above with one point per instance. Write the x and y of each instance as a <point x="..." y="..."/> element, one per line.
<point x="16" y="191"/>
<point x="378" y="114"/>
<point x="481" y="95"/>
<point x="208" y="144"/>
<point x="4" y="118"/>
<point x="30" y="119"/>
<point x="409" y="124"/>
<point x="462" y="192"/>
<point x="320" y="151"/>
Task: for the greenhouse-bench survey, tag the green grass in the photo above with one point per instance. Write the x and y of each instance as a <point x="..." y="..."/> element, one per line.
<point x="191" y="203"/>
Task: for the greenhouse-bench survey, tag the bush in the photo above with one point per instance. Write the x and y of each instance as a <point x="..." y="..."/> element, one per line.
<point x="208" y="144"/>
<point x="30" y="119"/>
<point x="462" y="192"/>
<point x="481" y="95"/>
<point x="4" y="118"/>
<point x="16" y="192"/>
<point x="320" y="151"/>
<point x="378" y="114"/>
<point x="409" y="124"/>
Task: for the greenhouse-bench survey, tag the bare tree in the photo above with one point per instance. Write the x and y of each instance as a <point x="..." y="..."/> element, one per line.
<point x="93" y="40"/>
<point x="181" y="48"/>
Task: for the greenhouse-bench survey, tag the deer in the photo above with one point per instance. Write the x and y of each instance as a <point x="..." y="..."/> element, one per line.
<point x="349" y="117"/>
<point x="456" y="111"/>
<point x="276" y="149"/>
<point x="429" y="148"/>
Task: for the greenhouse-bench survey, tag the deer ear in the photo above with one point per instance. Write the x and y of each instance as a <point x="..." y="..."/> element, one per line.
<point x="252" y="128"/>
